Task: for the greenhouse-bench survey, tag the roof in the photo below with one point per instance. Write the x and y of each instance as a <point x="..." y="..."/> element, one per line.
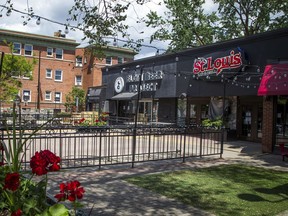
<point x="283" y="32"/>
<point x="37" y="39"/>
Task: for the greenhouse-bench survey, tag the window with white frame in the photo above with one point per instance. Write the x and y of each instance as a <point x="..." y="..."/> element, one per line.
<point x="79" y="61"/>
<point x="58" y="53"/>
<point x="78" y="80"/>
<point x="120" y="60"/>
<point x="17" y="48"/>
<point x="26" y="95"/>
<point x="48" y="73"/>
<point x="57" y="97"/>
<point x="58" y="75"/>
<point x="109" y="60"/>
<point x="49" y="51"/>
<point x="28" y="50"/>
<point x="47" y="95"/>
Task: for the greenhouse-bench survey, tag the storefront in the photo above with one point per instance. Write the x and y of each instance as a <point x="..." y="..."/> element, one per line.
<point x="188" y="87"/>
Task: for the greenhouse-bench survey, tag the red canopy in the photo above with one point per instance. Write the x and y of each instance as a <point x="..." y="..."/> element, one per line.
<point x="274" y="80"/>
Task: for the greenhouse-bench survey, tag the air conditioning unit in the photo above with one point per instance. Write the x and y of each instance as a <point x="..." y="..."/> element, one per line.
<point x="78" y="83"/>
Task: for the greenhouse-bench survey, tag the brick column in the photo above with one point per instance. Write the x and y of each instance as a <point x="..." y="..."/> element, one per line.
<point x="267" y="124"/>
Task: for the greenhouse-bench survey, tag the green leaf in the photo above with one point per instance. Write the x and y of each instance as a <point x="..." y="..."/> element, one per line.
<point x="59" y="210"/>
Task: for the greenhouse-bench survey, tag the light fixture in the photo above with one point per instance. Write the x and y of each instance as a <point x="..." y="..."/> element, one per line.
<point x="114" y="42"/>
<point x="66" y="30"/>
<point x="8" y="13"/>
<point x="38" y="21"/>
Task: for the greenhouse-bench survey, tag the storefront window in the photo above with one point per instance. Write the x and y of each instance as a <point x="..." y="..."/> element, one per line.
<point x="282" y="119"/>
<point x="193" y="109"/>
<point x="181" y="111"/>
<point x="204" y="111"/>
<point x="259" y="121"/>
<point x="246" y="120"/>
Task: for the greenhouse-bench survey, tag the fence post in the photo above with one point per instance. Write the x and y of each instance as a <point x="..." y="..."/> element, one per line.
<point x="100" y="149"/>
<point x="60" y="150"/>
<point x="222" y="142"/>
<point x="134" y="146"/>
<point x="184" y="144"/>
<point x="201" y="138"/>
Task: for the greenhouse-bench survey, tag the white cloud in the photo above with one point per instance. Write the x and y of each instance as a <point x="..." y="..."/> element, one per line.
<point x="58" y="11"/>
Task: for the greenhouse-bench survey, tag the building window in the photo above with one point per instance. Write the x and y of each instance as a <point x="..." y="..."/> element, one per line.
<point x="58" y="75"/>
<point x="120" y="60"/>
<point x="78" y="80"/>
<point x="17" y="48"/>
<point x="49" y="51"/>
<point x="109" y="60"/>
<point x="48" y="73"/>
<point x="79" y="61"/>
<point x="48" y="95"/>
<point x="28" y="50"/>
<point x="59" y="53"/>
<point x="57" y="97"/>
<point x="26" y="95"/>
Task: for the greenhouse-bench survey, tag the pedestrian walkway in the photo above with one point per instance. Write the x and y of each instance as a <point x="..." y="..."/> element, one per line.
<point x="108" y="194"/>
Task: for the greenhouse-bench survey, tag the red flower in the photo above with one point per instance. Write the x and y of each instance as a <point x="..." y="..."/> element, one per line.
<point x="12" y="181"/>
<point x="43" y="162"/>
<point x="81" y="120"/>
<point x="96" y="120"/>
<point x="71" y="191"/>
<point x="17" y="213"/>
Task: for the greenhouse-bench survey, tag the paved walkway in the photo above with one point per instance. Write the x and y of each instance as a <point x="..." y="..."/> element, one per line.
<point x="107" y="194"/>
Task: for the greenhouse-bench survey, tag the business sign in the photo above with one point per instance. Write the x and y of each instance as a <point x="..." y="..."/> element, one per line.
<point x="150" y="81"/>
<point x="217" y="62"/>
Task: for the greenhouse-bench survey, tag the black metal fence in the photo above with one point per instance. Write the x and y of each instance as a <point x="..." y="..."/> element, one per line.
<point x="101" y="146"/>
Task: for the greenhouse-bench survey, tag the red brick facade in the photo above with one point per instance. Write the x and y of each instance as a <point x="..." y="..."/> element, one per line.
<point x="267" y="128"/>
<point x="57" y="75"/>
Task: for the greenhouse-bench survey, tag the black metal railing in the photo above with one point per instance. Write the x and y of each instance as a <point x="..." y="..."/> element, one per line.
<point x="100" y="146"/>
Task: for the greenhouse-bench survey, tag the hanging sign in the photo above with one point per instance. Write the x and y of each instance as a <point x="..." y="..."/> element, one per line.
<point x="215" y="63"/>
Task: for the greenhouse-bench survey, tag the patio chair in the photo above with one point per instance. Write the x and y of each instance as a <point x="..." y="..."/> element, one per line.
<point x="284" y="151"/>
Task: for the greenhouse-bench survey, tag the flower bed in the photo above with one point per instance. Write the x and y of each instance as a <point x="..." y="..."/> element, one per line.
<point x="20" y="194"/>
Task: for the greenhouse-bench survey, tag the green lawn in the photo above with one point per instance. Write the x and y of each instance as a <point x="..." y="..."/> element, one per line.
<point x="223" y="190"/>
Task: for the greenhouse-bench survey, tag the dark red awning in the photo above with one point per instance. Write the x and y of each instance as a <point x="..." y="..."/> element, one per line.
<point x="274" y="80"/>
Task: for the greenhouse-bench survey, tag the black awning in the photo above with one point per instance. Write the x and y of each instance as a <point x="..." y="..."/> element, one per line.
<point x="94" y="94"/>
<point x="125" y="96"/>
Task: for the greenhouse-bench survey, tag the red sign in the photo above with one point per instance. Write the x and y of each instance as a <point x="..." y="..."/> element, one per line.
<point x="204" y="66"/>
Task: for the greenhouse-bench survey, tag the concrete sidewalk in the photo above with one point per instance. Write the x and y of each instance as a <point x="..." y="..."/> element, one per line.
<point x="107" y="194"/>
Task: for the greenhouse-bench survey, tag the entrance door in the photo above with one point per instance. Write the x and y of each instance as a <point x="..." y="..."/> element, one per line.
<point x="251" y="122"/>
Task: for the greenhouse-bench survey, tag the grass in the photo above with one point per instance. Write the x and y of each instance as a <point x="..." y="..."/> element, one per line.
<point x="223" y="190"/>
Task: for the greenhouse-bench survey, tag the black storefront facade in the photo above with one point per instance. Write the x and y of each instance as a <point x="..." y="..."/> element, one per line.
<point x="188" y="87"/>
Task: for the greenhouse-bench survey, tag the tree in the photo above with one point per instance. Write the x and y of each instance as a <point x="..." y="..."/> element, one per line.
<point x="70" y="103"/>
<point x="13" y="68"/>
<point x="186" y="24"/>
<point x="99" y="20"/>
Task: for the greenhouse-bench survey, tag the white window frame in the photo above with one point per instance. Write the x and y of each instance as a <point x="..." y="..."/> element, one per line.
<point x="55" y="74"/>
<point x="27" y="78"/>
<point x="60" y="97"/>
<point x="26" y="93"/>
<point x="47" y="72"/>
<point x="48" y="48"/>
<point x="18" y="50"/>
<point x="48" y="95"/>
<point x="78" y="61"/>
<point x="108" y="57"/>
<point x="57" y="53"/>
<point x="28" y="45"/>
<point x="122" y="60"/>
<point x="77" y="82"/>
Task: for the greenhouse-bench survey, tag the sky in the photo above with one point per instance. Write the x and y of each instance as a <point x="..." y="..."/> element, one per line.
<point x="58" y="11"/>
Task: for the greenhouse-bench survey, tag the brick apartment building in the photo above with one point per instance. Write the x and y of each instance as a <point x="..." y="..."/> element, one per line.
<point x="61" y="65"/>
